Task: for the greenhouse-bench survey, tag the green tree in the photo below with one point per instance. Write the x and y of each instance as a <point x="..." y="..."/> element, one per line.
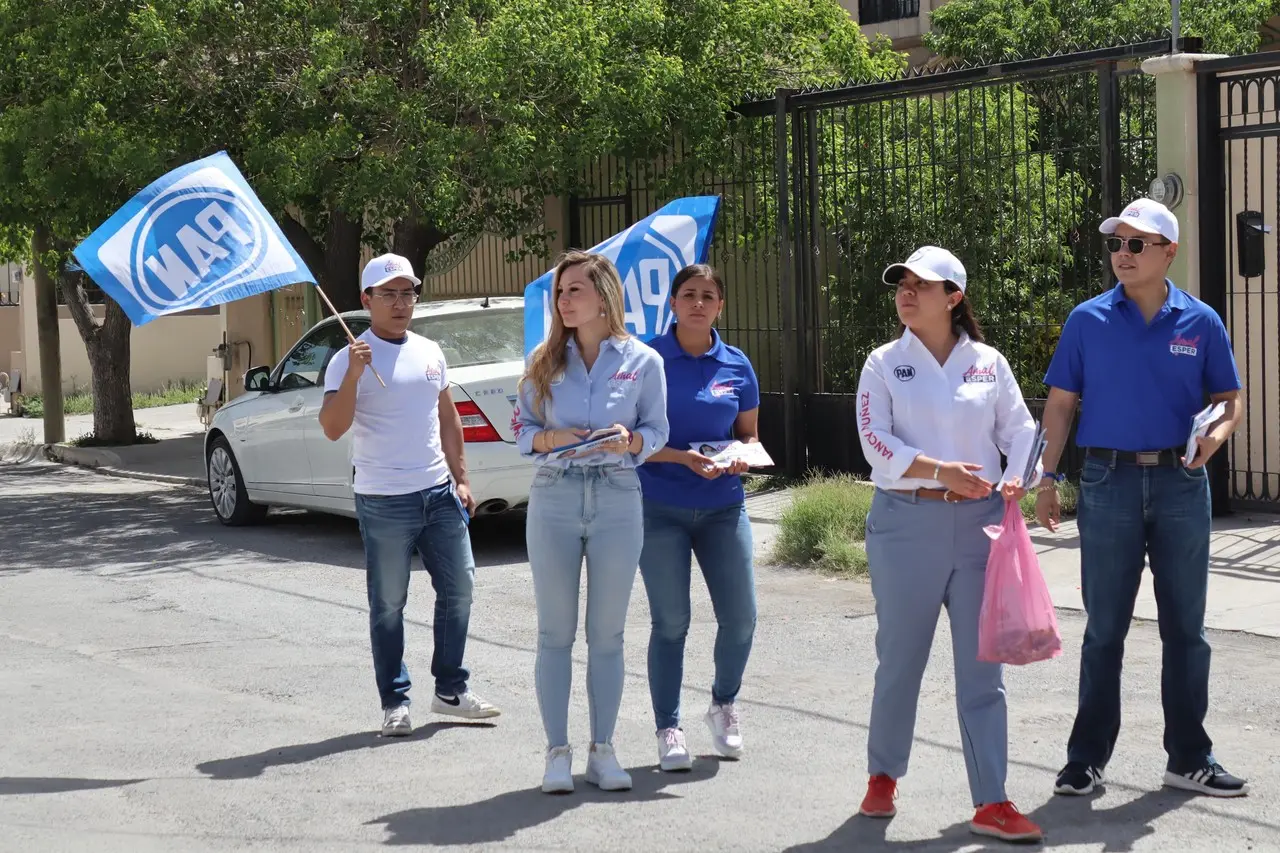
<point x="997" y="30"/>
<point x="372" y="122"/>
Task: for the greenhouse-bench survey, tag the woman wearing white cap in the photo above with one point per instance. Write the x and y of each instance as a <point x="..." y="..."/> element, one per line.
<point x="936" y="408"/>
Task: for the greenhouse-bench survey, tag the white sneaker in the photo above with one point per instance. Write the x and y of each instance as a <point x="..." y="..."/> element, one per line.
<point x="558" y="778"/>
<point x="723" y="722"/>
<point x="395" y="722"/>
<point x="468" y="705"/>
<point x="604" y="771"/>
<point x="672" y="752"/>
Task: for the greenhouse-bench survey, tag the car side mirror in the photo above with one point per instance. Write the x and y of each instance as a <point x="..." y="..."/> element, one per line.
<point x="258" y="379"/>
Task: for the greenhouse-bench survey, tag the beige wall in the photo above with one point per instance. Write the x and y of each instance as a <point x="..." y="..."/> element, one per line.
<point x="10" y="334"/>
<point x="169" y="349"/>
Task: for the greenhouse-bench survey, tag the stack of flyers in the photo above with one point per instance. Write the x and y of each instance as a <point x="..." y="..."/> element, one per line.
<point x="1037" y="448"/>
<point x="725" y="453"/>
<point x="1200" y="427"/>
<point x="588" y="444"/>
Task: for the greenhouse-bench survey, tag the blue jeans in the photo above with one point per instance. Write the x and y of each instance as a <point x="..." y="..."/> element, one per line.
<point x="721" y="540"/>
<point x="392" y="527"/>
<point x="592" y="512"/>
<point x="924" y="555"/>
<point x="1128" y="512"/>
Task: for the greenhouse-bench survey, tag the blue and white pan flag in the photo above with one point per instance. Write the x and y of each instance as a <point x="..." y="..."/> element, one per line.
<point x="195" y="238"/>
<point x="648" y="255"/>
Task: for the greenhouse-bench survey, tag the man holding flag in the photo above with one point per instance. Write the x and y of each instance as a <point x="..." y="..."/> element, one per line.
<point x="406" y="443"/>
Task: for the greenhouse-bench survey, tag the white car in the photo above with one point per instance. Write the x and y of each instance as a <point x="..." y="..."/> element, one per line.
<point x="265" y="448"/>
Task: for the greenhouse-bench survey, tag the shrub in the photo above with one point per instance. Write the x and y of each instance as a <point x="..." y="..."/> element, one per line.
<point x="825" y="525"/>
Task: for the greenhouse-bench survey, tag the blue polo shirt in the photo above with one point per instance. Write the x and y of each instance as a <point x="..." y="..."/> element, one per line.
<point x="704" y="396"/>
<point x="1139" y="384"/>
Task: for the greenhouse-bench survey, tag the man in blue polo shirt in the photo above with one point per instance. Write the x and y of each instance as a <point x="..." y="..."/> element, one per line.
<point x="694" y="508"/>
<point x="1142" y="358"/>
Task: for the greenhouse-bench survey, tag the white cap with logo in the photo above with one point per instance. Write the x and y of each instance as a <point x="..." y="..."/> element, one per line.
<point x="930" y="263"/>
<point x="384" y="268"/>
<point x="1147" y="216"/>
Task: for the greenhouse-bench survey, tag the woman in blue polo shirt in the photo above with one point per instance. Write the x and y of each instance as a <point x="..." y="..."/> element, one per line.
<point x="693" y="508"/>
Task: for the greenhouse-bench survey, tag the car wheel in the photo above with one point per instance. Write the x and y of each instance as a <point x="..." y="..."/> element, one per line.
<point x="226" y="488"/>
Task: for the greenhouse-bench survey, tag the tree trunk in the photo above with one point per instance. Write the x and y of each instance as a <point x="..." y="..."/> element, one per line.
<point x="341" y="274"/>
<point x="50" y="342"/>
<point x="414" y="240"/>
<point x="107" y="344"/>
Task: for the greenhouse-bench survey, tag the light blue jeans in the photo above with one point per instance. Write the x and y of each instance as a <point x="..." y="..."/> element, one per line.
<point x="924" y="554"/>
<point x="721" y="540"/>
<point x="593" y="512"/>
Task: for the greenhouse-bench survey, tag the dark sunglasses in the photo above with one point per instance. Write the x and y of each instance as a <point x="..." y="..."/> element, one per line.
<point x="1135" y="245"/>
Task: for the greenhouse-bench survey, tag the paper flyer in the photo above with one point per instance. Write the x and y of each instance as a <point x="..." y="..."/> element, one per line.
<point x="1037" y="448"/>
<point x="588" y="444"/>
<point x="725" y="453"/>
<point x="1200" y="427"/>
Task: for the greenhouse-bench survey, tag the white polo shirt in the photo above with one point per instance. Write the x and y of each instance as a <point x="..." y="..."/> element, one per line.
<point x="395" y="437"/>
<point x="968" y="410"/>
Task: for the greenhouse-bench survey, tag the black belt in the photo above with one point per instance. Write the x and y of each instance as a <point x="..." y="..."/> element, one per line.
<point x="1168" y="456"/>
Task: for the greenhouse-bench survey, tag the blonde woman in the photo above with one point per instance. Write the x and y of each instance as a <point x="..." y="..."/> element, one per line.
<point x="588" y="375"/>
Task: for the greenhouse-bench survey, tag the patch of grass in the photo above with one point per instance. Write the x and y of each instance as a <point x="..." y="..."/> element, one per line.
<point x="825" y="526"/>
<point x="91" y="440"/>
<point x="1068" y="496"/>
<point x="80" y="402"/>
<point x="757" y="483"/>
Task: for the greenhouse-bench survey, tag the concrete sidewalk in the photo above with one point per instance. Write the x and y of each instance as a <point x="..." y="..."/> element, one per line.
<point x="177" y="457"/>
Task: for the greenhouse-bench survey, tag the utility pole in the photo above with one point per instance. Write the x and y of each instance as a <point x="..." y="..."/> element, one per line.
<point x="1177" y="24"/>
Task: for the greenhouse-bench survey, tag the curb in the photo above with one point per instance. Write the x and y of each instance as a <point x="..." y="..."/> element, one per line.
<point x="103" y="461"/>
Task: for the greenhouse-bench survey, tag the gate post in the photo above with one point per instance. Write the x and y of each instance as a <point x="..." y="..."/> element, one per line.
<point x="792" y="406"/>
<point x="1178" y="153"/>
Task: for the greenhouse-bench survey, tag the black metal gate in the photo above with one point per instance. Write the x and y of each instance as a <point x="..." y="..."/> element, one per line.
<point x="1011" y="166"/>
<point x="1239" y="209"/>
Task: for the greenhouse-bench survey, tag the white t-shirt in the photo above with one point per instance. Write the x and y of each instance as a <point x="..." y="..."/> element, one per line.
<point x="395" y="437"/>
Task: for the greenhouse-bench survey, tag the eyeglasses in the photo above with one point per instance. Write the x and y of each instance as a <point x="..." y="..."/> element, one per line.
<point x="391" y="297"/>
<point x="1134" y="245"/>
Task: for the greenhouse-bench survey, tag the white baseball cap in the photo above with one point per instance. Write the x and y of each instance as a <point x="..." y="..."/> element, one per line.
<point x="384" y="268"/>
<point x="930" y="263"/>
<point x="1148" y="216"/>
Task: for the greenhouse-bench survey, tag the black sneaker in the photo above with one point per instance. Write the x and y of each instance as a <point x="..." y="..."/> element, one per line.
<point x="1077" y="779"/>
<point x="1210" y="779"/>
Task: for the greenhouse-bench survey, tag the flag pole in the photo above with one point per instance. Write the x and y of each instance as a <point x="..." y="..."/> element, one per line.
<point x="350" y="336"/>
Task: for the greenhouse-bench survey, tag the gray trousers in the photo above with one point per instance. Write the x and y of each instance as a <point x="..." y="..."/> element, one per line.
<point x="924" y="554"/>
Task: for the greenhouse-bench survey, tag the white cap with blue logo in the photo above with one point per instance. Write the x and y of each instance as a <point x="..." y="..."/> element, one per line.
<point x="931" y="263"/>
<point x="385" y="268"/>
<point x="1147" y="216"/>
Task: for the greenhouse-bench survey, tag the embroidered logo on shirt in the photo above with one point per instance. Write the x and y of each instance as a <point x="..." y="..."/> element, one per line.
<point x="516" y="426"/>
<point x="905" y="373"/>
<point x="721" y="389"/>
<point x="1184" y="346"/>
<point x="980" y="374"/>
<point x="864" y="420"/>
<point x="432" y="373"/>
<point x="624" y="376"/>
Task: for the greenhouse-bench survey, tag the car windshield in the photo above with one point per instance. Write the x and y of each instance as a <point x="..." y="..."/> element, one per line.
<point x="485" y="337"/>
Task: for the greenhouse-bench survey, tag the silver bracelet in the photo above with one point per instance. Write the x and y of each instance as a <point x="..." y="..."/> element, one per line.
<point x="937" y="468"/>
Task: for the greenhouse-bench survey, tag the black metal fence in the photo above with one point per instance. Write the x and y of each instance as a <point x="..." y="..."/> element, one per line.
<point x="1012" y="167"/>
<point x="1239" y="208"/>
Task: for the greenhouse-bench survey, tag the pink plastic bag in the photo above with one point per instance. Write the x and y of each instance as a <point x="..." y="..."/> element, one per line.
<point x="1017" y="624"/>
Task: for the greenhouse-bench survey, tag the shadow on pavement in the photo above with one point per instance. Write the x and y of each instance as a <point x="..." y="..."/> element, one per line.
<point x="498" y="819"/>
<point x="251" y="766"/>
<point x="1064" y="820"/>
<point x="156" y="531"/>
<point x="10" y="785"/>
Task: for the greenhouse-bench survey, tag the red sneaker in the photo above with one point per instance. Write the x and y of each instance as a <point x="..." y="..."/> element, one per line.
<point x="879" y="800"/>
<point x="1004" y="821"/>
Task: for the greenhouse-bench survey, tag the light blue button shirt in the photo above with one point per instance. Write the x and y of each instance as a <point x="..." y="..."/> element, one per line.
<point x="627" y="385"/>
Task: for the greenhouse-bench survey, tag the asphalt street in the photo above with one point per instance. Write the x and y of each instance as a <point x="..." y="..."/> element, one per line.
<point x="167" y="684"/>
